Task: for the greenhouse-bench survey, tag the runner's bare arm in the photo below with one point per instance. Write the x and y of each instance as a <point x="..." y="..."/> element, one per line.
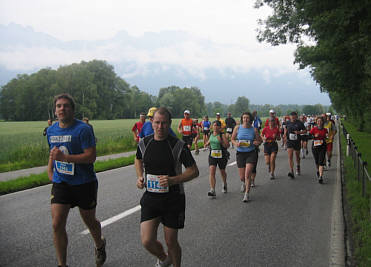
<point x="50" y="168"/>
<point x="139" y="170"/>
<point x="225" y="143"/>
<point x="234" y="136"/>
<point x="187" y="175"/>
<point x="258" y="139"/>
<point x="88" y="156"/>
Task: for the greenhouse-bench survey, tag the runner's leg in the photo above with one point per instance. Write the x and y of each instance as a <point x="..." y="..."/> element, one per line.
<point x="248" y="172"/>
<point x="273" y="162"/>
<point x="174" y="249"/>
<point x="290" y="152"/>
<point x="94" y="226"/>
<point x="148" y="233"/>
<point x="59" y="220"/>
<point x="212" y="180"/>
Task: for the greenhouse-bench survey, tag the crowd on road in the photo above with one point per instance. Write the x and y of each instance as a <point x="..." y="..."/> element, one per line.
<point x="158" y="164"/>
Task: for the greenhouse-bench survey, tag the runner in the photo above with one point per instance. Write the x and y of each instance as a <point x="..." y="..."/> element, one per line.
<point x="196" y="135"/>
<point x="218" y="157"/>
<point x="137" y="127"/>
<point x="257" y="125"/>
<point x="319" y="134"/>
<point x="292" y="135"/>
<point x="230" y="124"/>
<point x="270" y="135"/>
<point x="284" y="124"/>
<point x="185" y="128"/>
<point x="86" y="120"/>
<point x="257" y="121"/>
<point x="304" y="137"/>
<point x="71" y="169"/>
<point x="331" y="128"/>
<point x="246" y="138"/>
<point x="50" y="122"/>
<point x="158" y="166"/>
<point x="205" y="124"/>
<point x="224" y="125"/>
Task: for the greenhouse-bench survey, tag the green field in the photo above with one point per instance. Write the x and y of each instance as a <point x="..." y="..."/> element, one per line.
<point x="23" y="145"/>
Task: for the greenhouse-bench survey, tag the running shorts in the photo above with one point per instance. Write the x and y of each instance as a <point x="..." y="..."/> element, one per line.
<point x="222" y="163"/>
<point x="244" y="158"/>
<point x="230" y="131"/>
<point x="170" y="209"/>
<point x="329" y="147"/>
<point x="319" y="154"/>
<point x="304" y="137"/>
<point x="294" y="145"/>
<point x="83" y="196"/>
<point x="270" y="148"/>
<point x="188" y="139"/>
<point x="206" y="132"/>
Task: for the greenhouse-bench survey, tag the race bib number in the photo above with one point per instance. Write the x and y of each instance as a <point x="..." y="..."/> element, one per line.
<point x="206" y="128"/>
<point x="187" y="128"/>
<point x="65" y="167"/>
<point x="245" y="143"/>
<point x="229" y="130"/>
<point x="317" y="142"/>
<point x="216" y="154"/>
<point x="293" y="137"/>
<point x="153" y="184"/>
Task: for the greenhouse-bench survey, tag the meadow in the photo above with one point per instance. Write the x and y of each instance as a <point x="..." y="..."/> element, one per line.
<point x="24" y="146"/>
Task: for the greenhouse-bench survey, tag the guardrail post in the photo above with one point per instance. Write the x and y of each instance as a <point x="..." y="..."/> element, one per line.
<point x="358" y="164"/>
<point x="348" y="144"/>
<point x="354" y="154"/>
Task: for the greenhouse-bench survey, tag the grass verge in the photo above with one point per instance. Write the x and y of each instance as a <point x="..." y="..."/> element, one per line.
<point x="35" y="180"/>
<point x="357" y="207"/>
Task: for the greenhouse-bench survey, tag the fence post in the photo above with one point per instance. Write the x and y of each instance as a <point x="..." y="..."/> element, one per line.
<point x="364" y="165"/>
<point x="348" y="144"/>
<point x="354" y="154"/>
<point x="358" y="164"/>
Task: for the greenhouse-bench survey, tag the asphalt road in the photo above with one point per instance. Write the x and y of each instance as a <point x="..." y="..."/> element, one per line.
<point x="286" y="223"/>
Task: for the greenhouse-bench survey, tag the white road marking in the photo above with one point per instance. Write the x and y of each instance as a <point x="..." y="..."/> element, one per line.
<point x="115" y="218"/>
<point x="232" y="163"/>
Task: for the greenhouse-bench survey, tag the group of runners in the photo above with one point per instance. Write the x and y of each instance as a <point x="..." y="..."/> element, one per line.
<point x="159" y="159"/>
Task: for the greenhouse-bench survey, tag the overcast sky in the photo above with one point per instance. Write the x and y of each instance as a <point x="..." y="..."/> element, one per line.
<point x="229" y="25"/>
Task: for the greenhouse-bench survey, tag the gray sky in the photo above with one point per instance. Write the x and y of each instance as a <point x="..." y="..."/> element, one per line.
<point x="230" y="26"/>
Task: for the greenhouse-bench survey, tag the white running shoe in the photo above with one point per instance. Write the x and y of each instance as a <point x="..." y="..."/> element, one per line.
<point x="225" y="189"/>
<point x="165" y="263"/>
<point x="245" y="197"/>
<point x="243" y="187"/>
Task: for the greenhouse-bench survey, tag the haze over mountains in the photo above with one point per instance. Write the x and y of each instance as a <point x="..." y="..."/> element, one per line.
<point x="154" y="60"/>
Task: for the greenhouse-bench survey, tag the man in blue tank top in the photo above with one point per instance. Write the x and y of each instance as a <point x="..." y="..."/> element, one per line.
<point x="70" y="168"/>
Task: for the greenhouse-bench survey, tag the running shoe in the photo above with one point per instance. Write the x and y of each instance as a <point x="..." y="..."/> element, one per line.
<point x="243" y="187"/>
<point x="272" y="176"/>
<point x="252" y="184"/>
<point x="245" y="197"/>
<point x="320" y="180"/>
<point x="211" y="193"/>
<point x="100" y="254"/>
<point x="329" y="163"/>
<point x="224" y="189"/>
<point x="291" y="175"/>
<point x="197" y="152"/>
<point x="165" y="263"/>
<point x="298" y="170"/>
<point x="317" y="174"/>
<point x="306" y="152"/>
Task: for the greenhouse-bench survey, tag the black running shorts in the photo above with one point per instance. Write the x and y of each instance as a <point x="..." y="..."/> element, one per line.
<point x="244" y="158"/>
<point x="188" y="139"/>
<point x="222" y="163"/>
<point x="270" y="148"/>
<point x="83" y="196"/>
<point x="294" y="145"/>
<point x="319" y="154"/>
<point x="170" y="209"/>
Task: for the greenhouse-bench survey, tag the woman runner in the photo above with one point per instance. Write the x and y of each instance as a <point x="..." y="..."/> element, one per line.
<point x="319" y="134"/>
<point x="218" y="157"/>
<point x="246" y="138"/>
<point x="270" y="135"/>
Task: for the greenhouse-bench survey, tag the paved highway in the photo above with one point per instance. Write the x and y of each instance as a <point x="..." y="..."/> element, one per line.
<point x="286" y="223"/>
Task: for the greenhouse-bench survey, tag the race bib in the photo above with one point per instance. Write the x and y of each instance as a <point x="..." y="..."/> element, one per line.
<point x="317" y="142"/>
<point x="65" y="167"/>
<point x="153" y="184"/>
<point x="293" y="137"/>
<point x="229" y="129"/>
<point x="187" y="128"/>
<point x="245" y="143"/>
<point x="206" y="128"/>
<point x="216" y="154"/>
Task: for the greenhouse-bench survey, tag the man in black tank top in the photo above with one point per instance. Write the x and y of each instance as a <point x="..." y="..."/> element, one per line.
<point x="158" y="164"/>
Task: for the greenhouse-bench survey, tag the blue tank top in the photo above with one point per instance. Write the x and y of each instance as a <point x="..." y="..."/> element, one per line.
<point x="246" y="138"/>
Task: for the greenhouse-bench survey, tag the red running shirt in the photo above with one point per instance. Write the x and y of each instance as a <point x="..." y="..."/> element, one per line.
<point x="137" y="128"/>
<point x="319" y="134"/>
<point x="270" y="134"/>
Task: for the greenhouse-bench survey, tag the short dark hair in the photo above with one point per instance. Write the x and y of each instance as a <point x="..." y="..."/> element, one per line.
<point x="218" y="123"/>
<point x="250" y="116"/>
<point x="163" y="111"/>
<point x="65" y="96"/>
<point x="294" y="113"/>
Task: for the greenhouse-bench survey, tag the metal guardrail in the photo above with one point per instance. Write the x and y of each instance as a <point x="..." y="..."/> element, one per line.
<point x="359" y="164"/>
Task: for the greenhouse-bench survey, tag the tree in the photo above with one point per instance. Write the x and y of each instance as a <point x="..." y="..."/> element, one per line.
<point x="241" y="105"/>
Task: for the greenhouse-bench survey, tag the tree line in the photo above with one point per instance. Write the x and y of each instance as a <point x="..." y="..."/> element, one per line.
<point x="101" y="94"/>
<point x="338" y="52"/>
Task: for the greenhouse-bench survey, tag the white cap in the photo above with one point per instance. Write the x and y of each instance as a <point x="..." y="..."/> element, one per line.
<point x="272" y="111"/>
<point x="328" y="114"/>
<point x="218" y="114"/>
<point x="187" y="111"/>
